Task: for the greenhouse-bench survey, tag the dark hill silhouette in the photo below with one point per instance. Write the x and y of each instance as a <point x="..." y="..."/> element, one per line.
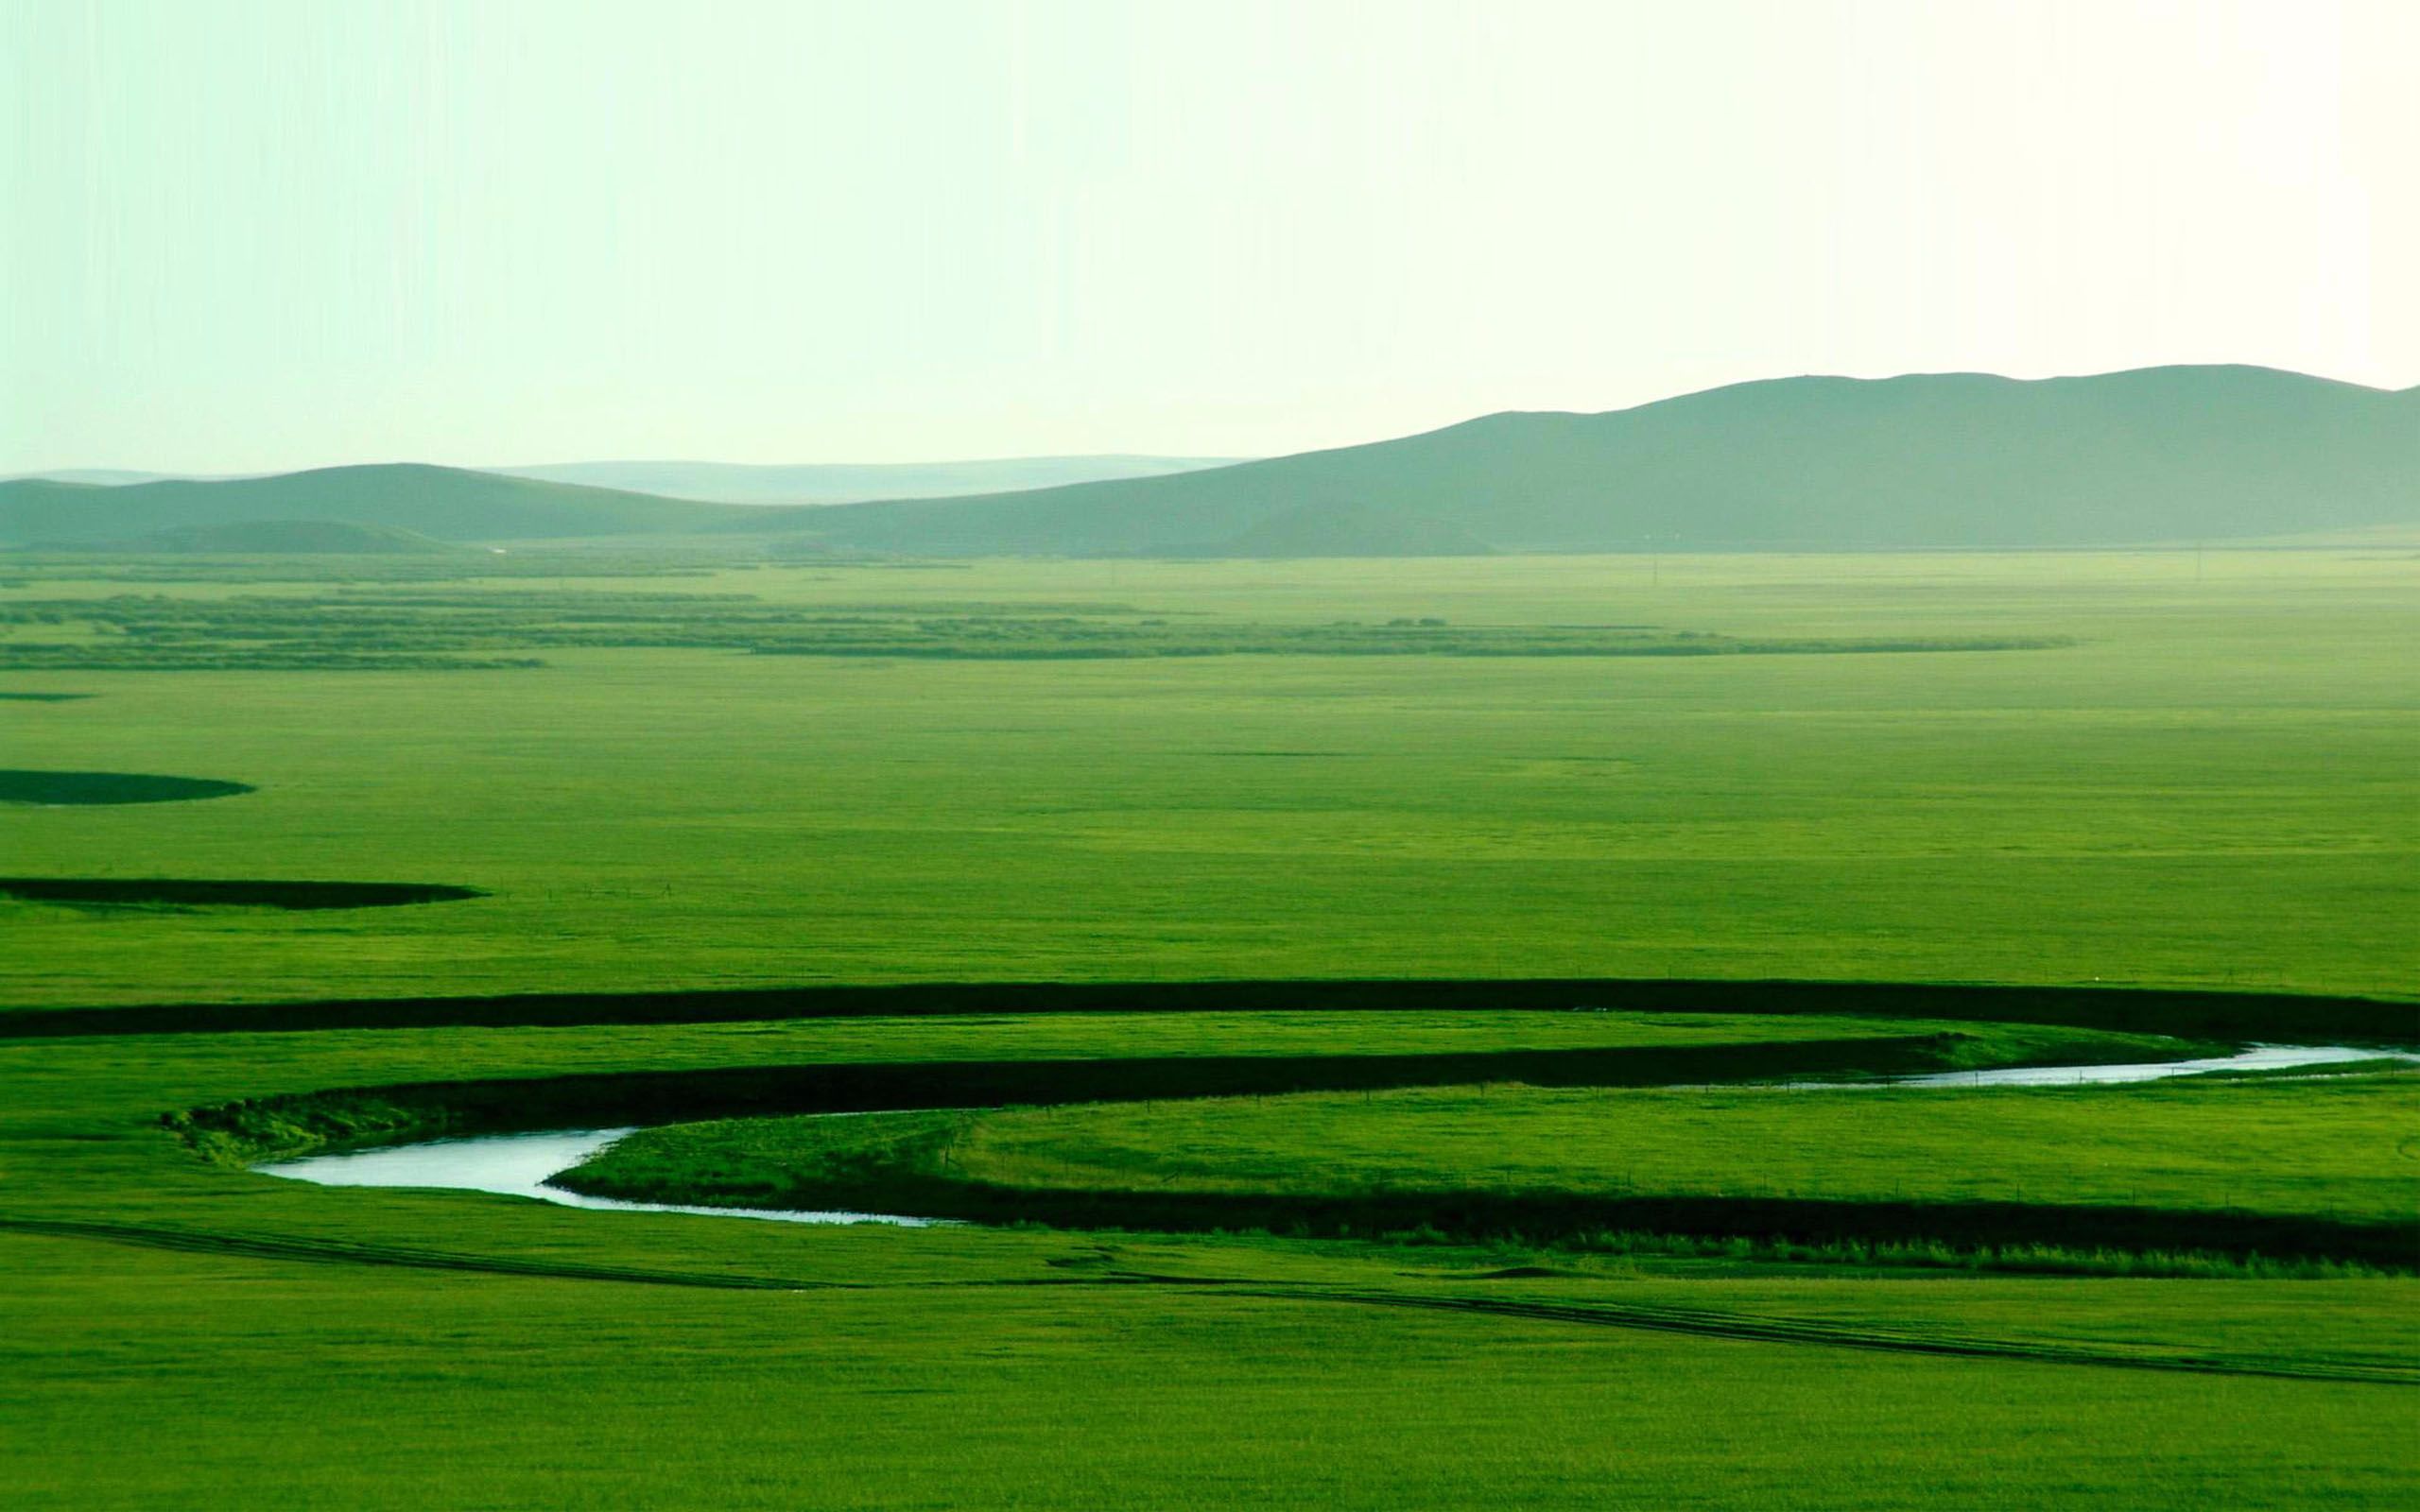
<point x="451" y="504"/>
<point x="1953" y="460"/>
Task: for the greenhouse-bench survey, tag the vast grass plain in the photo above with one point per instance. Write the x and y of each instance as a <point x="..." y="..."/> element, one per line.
<point x="2182" y="771"/>
<point x="2213" y="787"/>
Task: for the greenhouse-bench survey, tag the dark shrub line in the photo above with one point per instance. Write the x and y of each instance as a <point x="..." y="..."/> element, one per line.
<point x="1552" y="1219"/>
<point x="2144" y="1010"/>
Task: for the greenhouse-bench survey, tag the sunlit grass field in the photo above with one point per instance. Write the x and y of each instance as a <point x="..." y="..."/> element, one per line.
<point x="269" y="1340"/>
<point x="2331" y="1148"/>
<point x="2214" y="781"/>
<point x="2218" y="784"/>
<point x="141" y="1378"/>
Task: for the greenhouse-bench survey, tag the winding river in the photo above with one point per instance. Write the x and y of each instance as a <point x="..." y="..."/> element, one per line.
<point x="519" y="1164"/>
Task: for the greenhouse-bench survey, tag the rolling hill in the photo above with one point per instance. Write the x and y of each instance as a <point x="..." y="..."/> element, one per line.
<point x="1956" y="460"/>
<point x="1348" y="529"/>
<point x="450" y="504"/>
<point x="284" y="537"/>
<point x="849" y="483"/>
<point x="1948" y="460"/>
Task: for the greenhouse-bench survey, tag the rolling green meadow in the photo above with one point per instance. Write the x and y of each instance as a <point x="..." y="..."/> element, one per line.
<point x="2215" y="786"/>
<point x="1091" y="756"/>
<point x="1318" y="1242"/>
<point x="2312" y="1152"/>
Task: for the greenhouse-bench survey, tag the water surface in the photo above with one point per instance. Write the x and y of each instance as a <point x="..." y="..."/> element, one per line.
<point x="2253" y="1058"/>
<point x="518" y="1165"/>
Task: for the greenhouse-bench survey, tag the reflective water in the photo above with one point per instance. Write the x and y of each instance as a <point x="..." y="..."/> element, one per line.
<point x="518" y="1165"/>
<point x="2256" y="1058"/>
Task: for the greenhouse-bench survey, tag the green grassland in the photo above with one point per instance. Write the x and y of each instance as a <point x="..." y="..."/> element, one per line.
<point x="266" y="1339"/>
<point x="2305" y="1150"/>
<point x="139" y="1378"/>
<point x="2216" y="786"/>
<point x="2200" y="775"/>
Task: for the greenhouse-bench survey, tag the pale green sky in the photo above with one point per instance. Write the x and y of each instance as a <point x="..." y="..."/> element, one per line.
<point x="257" y="235"/>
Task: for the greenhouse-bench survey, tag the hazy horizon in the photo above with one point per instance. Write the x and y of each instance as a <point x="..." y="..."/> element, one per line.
<point x="529" y="465"/>
<point x="846" y="464"/>
<point x="268" y="236"/>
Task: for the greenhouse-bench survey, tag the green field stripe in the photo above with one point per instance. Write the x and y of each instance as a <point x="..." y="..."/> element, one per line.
<point x="1773" y="1329"/>
<point x="351" y="1252"/>
<point x="1745" y="1328"/>
<point x="277" y="1248"/>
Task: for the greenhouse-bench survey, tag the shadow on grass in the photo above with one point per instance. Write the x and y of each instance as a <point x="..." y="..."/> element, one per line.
<point x="177" y="893"/>
<point x="57" y="789"/>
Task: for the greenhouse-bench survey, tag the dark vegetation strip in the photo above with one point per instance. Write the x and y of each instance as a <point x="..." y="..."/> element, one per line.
<point x="183" y="892"/>
<point x="1482" y="644"/>
<point x="24" y="787"/>
<point x="2029" y="1257"/>
<point x="2142" y="1010"/>
<point x="433" y="628"/>
<point x="42" y="697"/>
<point x="257" y="1129"/>
<point x="1746" y="1328"/>
<point x="1567" y="1219"/>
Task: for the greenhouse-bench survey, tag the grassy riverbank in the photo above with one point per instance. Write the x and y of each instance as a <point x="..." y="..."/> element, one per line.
<point x="2252" y="1169"/>
<point x="410" y="1325"/>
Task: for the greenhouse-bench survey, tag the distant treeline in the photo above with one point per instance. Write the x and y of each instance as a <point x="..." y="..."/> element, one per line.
<point x="424" y="629"/>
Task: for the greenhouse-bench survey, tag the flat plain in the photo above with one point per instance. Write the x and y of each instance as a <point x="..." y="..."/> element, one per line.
<point x="2213" y="787"/>
<point x="2197" y="771"/>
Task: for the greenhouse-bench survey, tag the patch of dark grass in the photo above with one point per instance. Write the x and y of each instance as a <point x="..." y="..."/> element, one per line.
<point x="69" y="788"/>
<point x="182" y="893"/>
<point x="2033" y="1259"/>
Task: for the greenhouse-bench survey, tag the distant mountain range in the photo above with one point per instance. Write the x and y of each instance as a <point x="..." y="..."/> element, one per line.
<point x="451" y="504"/>
<point x="1949" y="460"/>
<point x="1934" y="461"/>
<point x="851" y="483"/>
<point x="762" y="483"/>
